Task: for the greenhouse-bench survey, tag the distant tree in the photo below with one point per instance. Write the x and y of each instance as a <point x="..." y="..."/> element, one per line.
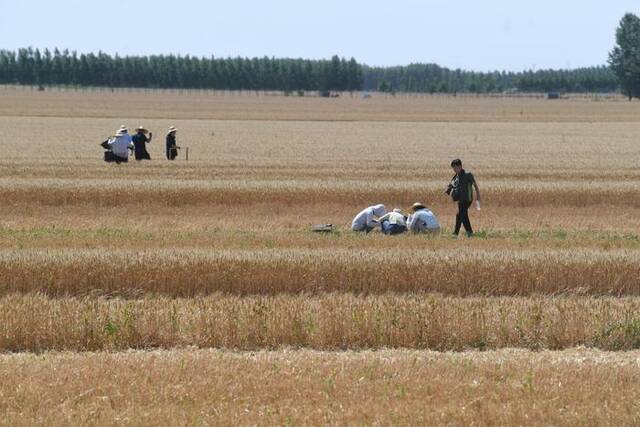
<point x="625" y="56"/>
<point x="384" y="86"/>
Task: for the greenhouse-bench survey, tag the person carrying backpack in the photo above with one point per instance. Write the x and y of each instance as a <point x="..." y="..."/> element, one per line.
<point x="461" y="190"/>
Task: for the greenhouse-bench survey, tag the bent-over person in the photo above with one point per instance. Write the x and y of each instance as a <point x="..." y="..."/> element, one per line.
<point x="119" y="146"/>
<point x="365" y="220"/>
<point x="422" y="220"/>
<point x="393" y="223"/>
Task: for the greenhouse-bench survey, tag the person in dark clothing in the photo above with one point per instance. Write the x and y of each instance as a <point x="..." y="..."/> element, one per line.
<point x="172" y="148"/>
<point x="140" y="140"/>
<point x="461" y="190"/>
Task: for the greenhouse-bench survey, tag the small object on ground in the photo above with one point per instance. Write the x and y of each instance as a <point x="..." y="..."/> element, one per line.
<point x="322" y="228"/>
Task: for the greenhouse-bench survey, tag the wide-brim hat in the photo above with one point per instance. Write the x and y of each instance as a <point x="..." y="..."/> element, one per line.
<point x="141" y="128"/>
<point x="397" y="210"/>
<point x="172" y="129"/>
<point x="417" y="206"/>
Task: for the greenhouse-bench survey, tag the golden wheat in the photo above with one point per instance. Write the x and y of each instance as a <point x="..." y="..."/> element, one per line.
<point x="220" y="105"/>
<point x="189" y="273"/>
<point x="305" y="387"/>
<point x="216" y="253"/>
<point x="329" y="321"/>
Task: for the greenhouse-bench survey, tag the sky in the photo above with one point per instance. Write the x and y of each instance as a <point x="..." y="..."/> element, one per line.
<point x="469" y="34"/>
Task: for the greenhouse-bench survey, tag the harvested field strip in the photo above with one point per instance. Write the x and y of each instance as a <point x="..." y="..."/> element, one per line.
<point x="247" y="106"/>
<point x="257" y="237"/>
<point x="30" y="172"/>
<point x="196" y="272"/>
<point x="163" y="196"/>
<point x="209" y="174"/>
<point x="395" y="387"/>
<point x="332" y="321"/>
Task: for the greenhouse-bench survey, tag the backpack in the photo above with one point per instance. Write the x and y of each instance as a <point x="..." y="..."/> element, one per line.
<point x="460" y="190"/>
<point x="456" y="188"/>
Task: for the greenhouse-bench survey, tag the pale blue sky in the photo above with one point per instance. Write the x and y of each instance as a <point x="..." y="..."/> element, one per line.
<point x="475" y="35"/>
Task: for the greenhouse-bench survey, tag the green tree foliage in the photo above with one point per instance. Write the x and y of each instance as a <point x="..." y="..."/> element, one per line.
<point x="31" y="67"/>
<point x="625" y="56"/>
<point x="431" y="78"/>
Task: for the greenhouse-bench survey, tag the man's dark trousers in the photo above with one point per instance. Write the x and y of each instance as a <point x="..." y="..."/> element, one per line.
<point x="462" y="218"/>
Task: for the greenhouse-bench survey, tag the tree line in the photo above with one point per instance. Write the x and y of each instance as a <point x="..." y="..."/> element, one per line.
<point x="30" y="66"/>
<point x="432" y="78"/>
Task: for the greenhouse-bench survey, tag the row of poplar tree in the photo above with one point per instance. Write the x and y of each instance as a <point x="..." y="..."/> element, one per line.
<point x="33" y="67"/>
<point x="435" y="79"/>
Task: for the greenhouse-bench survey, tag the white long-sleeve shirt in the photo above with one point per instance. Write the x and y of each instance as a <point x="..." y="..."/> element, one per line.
<point x="423" y="220"/>
<point x="120" y="145"/>
<point x="364" y="219"/>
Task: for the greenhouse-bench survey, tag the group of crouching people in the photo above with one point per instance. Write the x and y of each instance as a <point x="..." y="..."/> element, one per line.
<point x="421" y="220"/>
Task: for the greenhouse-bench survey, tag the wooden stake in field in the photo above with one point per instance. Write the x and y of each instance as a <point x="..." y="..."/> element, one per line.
<point x="186" y="153"/>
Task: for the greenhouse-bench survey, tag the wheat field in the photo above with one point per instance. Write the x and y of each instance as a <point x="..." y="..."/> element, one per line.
<point x="305" y="387"/>
<point x="121" y="284"/>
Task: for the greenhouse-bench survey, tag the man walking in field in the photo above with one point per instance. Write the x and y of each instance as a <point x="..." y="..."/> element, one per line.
<point x="461" y="190"/>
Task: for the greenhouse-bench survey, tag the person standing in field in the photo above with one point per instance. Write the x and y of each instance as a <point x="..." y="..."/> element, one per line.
<point x="365" y="220"/>
<point x="461" y="191"/>
<point x="172" y="148"/>
<point x="140" y="140"/>
<point x="422" y="220"/>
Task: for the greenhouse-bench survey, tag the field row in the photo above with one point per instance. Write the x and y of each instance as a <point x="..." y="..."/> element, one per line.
<point x="194" y="272"/>
<point x="363" y="149"/>
<point x="36" y="323"/>
<point x="229" y="197"/>
<point x="396" y="387"/>
<point x="214" y="173"/>
<point x="152" y="235"/>
<point x="233" y="106"/>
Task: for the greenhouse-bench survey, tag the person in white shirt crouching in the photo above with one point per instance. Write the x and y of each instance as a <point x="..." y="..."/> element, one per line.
<point x="422" y="220"/>
<point x="365" y="220"/>
<point x="393" y="222"/>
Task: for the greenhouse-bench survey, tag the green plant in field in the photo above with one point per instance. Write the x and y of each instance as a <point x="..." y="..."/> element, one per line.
<point x="560" y="234"/>
<point x="527" y="382"/>
<point x="111" y="329"/>
<point x="624" y="335"/>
